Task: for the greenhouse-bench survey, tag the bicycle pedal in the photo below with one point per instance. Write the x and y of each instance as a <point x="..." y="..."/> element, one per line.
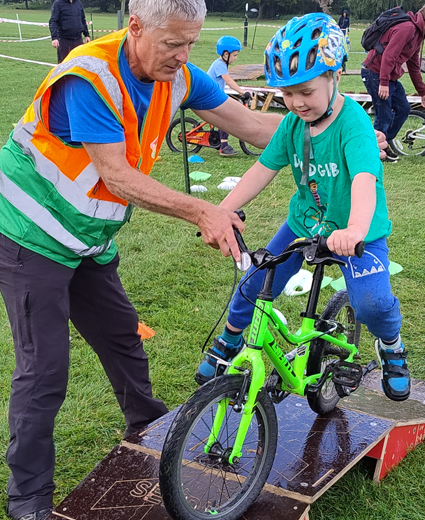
<point x="347" y="374"/>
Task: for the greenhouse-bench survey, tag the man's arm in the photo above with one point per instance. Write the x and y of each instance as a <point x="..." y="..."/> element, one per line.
<point x="54" y="22"/>
<point x="215" y="223"/>
<point x="247" y="125"/>
<point x="85" y="28"/>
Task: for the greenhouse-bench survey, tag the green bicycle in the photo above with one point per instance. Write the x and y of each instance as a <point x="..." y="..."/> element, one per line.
<point x="220" y="448"/>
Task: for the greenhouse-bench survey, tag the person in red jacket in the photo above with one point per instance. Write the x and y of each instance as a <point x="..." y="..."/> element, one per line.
<point x="381" y="72"/>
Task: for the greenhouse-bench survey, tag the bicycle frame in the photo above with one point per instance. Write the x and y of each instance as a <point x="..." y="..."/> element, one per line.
<point x="260" y="338"/>
<point x="200" y="136"/>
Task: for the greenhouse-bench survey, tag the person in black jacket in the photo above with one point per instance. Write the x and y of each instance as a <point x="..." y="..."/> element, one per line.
<point x="66" y="24"/>
<point x="344" y="22"/>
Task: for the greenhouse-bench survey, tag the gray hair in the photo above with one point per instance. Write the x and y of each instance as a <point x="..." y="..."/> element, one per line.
<point x="155" y="13"/>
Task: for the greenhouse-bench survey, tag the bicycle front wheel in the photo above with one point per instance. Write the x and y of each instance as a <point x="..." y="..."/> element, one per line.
<point x="410" y="140"/>
<point x="250" y="149"/>
<point x="174" y="135"/>
<point x="337" y="309"/>
<point x="196" y="483"/>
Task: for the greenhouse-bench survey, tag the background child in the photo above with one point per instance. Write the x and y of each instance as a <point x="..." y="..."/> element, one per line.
<point x="304" y="60"/>
<point x="228" y="49"/>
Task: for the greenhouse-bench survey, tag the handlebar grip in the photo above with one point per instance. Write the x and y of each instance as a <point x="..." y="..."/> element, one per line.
<point x="359" y="249"/>
<point x="241" y="214"/>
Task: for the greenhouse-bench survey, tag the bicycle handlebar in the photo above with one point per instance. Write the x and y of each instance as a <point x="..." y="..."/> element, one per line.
<point x="315" y="251"/>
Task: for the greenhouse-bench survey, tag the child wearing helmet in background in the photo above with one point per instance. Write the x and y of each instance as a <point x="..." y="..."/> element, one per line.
<point x="329" y="139"/>
<point x="228" y="49"/>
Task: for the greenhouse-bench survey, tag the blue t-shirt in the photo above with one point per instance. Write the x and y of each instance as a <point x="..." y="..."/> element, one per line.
<point x="78" y="114"/>
<point x="216" y="71"/>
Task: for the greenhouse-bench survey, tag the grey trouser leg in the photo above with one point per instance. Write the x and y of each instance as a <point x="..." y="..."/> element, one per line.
<point x="40" y="297"/>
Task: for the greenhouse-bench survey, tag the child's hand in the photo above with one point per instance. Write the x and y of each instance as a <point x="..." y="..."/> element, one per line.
<point x="343" y="241"/>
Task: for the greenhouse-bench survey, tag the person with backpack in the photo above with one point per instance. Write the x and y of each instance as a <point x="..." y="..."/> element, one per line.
<point x="398" y="38"/>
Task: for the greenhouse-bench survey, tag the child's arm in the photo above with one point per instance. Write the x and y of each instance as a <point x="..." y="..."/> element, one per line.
<point x="232" y="84"/>
<point x="251" y="184"/>
<point x="363" y="202"/>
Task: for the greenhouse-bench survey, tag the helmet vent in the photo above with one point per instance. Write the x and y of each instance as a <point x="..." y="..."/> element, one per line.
<point x="297" y="43"/>
<point x="311" y="58"/>
<point x="267" y="63"/>
<point x="277" y="66"/>
<point x="316" y="33"/>
<point x="293" y="63"/>
<point x="300" y="28"/>
<point x="276" y="46"/>
<point x="283" y="33"/>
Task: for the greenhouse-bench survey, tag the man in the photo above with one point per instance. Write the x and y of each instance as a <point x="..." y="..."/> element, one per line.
<point x="344" y="22"/>
<point x="66" y="24"/>
<point x="69" y="174"/>
<point x="381" y="72"/>
<point x="71" y="171"/>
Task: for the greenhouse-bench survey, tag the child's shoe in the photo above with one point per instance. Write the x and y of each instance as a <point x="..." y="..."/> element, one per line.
<point x="209" y="368"/>
<point x="227" y="151"/>
<point x="395" y="374"/>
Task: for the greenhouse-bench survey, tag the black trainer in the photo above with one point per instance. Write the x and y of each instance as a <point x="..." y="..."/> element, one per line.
<point x="391" y="155"/>
<point x="37" y="515"/>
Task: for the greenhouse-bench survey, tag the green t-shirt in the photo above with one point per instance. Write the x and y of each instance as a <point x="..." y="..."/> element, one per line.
<point x="347" y="147"/>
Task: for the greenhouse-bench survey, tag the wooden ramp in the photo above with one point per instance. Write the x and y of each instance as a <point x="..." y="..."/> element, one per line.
<point x="313" y="453"/>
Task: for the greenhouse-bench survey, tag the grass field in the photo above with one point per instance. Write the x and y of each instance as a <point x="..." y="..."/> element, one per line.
<point x="179" y="286"/>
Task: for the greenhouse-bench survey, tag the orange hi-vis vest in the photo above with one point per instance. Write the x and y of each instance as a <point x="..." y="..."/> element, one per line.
<point x="71" y="204"/>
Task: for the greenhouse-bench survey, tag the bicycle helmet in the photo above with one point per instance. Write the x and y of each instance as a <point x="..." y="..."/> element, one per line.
<point x="303" y="49"/>
<point x="229" y="44"/>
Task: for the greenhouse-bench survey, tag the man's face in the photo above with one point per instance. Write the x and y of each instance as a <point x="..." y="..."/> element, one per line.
<point x="157" y="54"/>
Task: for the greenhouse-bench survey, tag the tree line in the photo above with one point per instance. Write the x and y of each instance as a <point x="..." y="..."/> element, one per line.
<point x="362" y="10"/>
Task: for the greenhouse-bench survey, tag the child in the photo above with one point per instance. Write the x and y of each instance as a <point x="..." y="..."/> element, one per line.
<point x="304" y="60"/>
<point x="228" y="49"/>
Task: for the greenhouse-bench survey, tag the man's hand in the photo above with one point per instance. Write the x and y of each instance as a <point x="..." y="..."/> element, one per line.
<point x="382" y="144"/>
<point x="86" y="39"/>
<point x="383" y="92"/>
<point x="216" y="227"/>
<point x="343" y="241"/>
<point x="55" y="43"/>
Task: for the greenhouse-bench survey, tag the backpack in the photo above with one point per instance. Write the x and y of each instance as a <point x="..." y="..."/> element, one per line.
<point x="373" y="33"/>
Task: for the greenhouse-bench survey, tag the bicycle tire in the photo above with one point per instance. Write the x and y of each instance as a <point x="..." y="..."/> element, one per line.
<point x="196" y="485"/>
<point x="173" y="136"/>
<point x="250" y="149"/>
<point x="405" y="143"/>
<point x="327" y="398"/>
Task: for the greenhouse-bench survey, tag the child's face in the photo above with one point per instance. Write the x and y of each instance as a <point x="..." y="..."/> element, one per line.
<point x="233" y="56"/>
<point x="309" y="100"/>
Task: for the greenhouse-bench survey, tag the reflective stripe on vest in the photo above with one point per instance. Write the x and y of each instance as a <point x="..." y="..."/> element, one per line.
<point x="68" y="168"/>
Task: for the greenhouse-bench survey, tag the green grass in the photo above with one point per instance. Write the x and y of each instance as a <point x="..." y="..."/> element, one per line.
<point x="179" y="288"/>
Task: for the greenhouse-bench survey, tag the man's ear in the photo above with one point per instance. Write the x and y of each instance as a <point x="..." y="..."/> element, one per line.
<point x="135" y="27"/>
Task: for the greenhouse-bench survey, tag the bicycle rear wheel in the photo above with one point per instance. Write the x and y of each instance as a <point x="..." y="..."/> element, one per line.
<point x="196" y="485"/>
<point x="338" y="309"/>
<point x="174" y="135"/>
<point x="250" y="149"/>
<point x="410" y="140"/>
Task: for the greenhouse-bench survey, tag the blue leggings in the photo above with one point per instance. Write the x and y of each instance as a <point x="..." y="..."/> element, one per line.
<point x="367" y="280"/>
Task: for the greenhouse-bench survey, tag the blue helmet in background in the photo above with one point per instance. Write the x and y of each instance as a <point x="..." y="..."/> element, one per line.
<point x="229" y="44"/>
<point x="303" y="49"/>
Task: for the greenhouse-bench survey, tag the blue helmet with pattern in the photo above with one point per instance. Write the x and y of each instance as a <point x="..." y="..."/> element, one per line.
<point x="303" y="49"/>
<point x="229" y="44"/>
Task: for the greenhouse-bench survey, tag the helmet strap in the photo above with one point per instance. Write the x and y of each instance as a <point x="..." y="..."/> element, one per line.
<point x="307" y="155"/>
<point x="329" y="110"/>
<point x="226" y="61"/>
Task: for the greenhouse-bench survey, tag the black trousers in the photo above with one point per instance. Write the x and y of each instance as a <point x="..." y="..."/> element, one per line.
<point x="41" y="296"/>
<point x="65" y="46"/>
